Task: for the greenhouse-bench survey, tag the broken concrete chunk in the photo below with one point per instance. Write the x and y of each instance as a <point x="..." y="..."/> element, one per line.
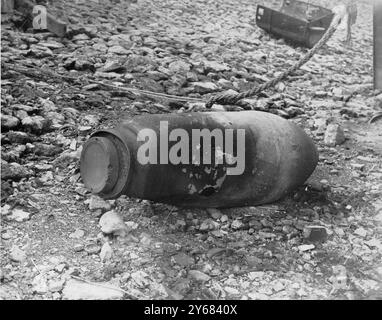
<point x="106" y="252"/>
<point x="39" y="284"/>
<point x="79" y="290"/>
<point x="179" y="66"/>
<point x="199" y="276"/>
<point x="96" y="202"/>
<point x="112" y="222"/>
<point x="215" y="66"/>
<point x="315" y="233"/>
<point x="334" y="135"/>
<point x="35" y="124"/>
<point x="306" y="247"/>
<point x="9" y="122"/>
<point x="204" y="87"/>
<point x="19" y="215"/>
<point x="17" y="255"/>
<point x="14" y="171"/>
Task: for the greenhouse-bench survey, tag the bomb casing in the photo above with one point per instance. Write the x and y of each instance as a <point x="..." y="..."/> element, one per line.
<point x="209" y="159"/>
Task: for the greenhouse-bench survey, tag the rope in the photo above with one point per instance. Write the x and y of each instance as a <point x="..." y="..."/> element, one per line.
<point x="28" y="70"/>
<point x="225" y="98"/>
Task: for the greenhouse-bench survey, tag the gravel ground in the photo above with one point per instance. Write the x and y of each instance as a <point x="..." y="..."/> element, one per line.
<point x="60" y="242"/>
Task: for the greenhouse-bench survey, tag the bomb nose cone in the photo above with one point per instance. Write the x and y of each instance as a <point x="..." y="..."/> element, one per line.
<point x="99" y="164"/>
<point x="104" y="165"/>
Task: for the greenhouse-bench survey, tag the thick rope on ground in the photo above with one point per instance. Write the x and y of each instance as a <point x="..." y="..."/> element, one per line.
<point x="233" y="98"/>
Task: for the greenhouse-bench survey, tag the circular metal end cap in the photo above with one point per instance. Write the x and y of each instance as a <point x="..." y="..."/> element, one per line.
<point x="99" y="165"/>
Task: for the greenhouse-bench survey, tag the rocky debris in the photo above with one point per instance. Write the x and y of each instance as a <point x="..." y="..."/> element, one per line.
<point x="9" y="122"/>
<point x="267" y="235"/>
<point x="334" y="135"/>
<point x="232" y="291"/>
<point x="224" y="218"/>
<point x="79" y="290"/>
<point x="204" y="87"/>
<point x="214" y="66"/>
<point x="339" y="277"/>
<point x="18" y="137"/>
<point x="14" y="154"/>
<point x="46" y="150"/>
<point x="96" y="203"/>
<point x="237" y="224"/>
<point x="140" y="279"/>
<point x="179" y="67"/>
<point x="315" y="233"/>
<point x="5" y="209"/>
<point x="258" y="296"/>
<point x="361" y="232"/>
<point x="106" y="252"/>
<point x="35" y="124"/>
<point x="78" y="247"/>
<point x="92" y="248"/>
<point x="183" y="260"/>
<point x="14" y="171"/>
<point x="306" y="247"/>
<point x="56" y="285"/>
<point x="215" y="213"/>
<point x="6" y="190"/>
<point x="112" y="223"/>
<point x="320" y="124"/>
<point x="374" y="243"/>
<point x="278" y="286"/>
<point x="256" y="275"/>
<point x="320" y="94"/>
<point x="198" y="276"/>
<point x="77" y="234"/>
<point x="112" y="66"/>
<point x="207" y="224"/>
<point x="168" y="49"/>
<point x="19" y="215"/>
<point x="118" y="50"/>
<point x="17" y="255"/>
<point x="39" y="284"/>
<point x="9" y="292"/>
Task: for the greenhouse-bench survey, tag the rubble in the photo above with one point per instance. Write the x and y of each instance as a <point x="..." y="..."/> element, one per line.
<point x="198" y="275"/>
<point x="17" y="255"/>
<point x="96" y="203"/>
<point x="19" y="215"/>
<point x="334" y="135"/>
<point x="278" y="251"/>
<point x="79" y="290"/>
<point x="315" y="233"/>
<point x="106" y="252"/>
<point x="111" y="222"/>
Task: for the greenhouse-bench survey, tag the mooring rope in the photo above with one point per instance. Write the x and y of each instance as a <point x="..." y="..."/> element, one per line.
<point x="27" y="70"/>
<point x="232" y="98"/>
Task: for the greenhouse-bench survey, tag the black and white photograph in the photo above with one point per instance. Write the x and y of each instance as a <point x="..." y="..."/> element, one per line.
<point x="191" y="155"/>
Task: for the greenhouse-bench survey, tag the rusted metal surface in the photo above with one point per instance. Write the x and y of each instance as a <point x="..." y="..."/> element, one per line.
<point x="297" y="21"/>
<point x="277" y="157"/>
